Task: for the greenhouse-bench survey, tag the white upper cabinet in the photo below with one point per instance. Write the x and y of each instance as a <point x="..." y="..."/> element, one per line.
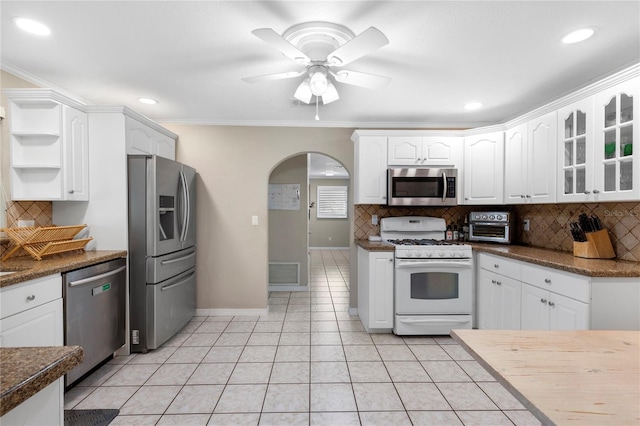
<point x="49" y="147"/>
<point x="370" y="169"/>
<point x="616" y="162"/>
<point x="530" y="166"/>
<point x="424" y="151"/>
<point x="142" y="139"/>
<point x="575" y="152"/>
<point x="484" y="169"/>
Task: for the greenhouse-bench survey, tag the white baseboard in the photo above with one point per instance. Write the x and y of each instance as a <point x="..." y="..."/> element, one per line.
<point x="231" y="312"/>
<point x="288" y="288"/>
<point x="328" y="248"/>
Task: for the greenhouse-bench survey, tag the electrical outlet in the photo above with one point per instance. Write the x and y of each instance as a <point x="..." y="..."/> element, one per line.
<point x="329" y="238"/>
<point x="374" y="219"/>
<point x="526" y="225"/>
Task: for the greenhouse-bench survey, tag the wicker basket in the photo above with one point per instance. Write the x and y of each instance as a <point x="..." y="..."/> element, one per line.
<point x="42" y="241"/>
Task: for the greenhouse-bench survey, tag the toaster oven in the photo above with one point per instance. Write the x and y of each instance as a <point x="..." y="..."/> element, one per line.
<point x="494" y="227"/>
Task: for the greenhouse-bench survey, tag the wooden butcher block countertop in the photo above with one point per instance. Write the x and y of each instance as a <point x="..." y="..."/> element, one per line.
<point x="589" y="377"/>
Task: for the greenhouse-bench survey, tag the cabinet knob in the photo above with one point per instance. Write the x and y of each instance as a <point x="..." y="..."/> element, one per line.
<point x="493" y="281"/>
<point x="495" y="265"/>
<point x="498" y="282"/>
<point x="547" y="280"/>
<point x="71" y="191"/>
<point x="522" y="196"/>
<point x="31" y="298"/>
<point x="543" y="300"/>
<point x="587" y="192"/>
<point x="551" y="303"/>
<point x="528" y="196"/>
<point x="595" y="191"/>
<point x="390" y="260"/>
<point x="466" y="198"/>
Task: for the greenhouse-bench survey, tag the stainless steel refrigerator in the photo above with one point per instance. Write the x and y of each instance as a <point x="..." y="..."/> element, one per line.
<point x="162" y="249"/>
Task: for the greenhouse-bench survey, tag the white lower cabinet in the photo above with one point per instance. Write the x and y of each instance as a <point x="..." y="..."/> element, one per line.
<point x="520" y="295"/>
<point x="375" y="289"/>
<point x="498" y="297"/>
<point x="544" y="310"/>
<point x="31" y="315"/>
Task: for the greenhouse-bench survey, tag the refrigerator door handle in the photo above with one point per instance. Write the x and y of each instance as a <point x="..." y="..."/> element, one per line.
<point x="188" y="203"/>
<point x="183" y="207"/>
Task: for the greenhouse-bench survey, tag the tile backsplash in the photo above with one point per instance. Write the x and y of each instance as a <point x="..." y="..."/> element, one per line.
<point x="549" y="223"/>
<point x="41" y="212"/>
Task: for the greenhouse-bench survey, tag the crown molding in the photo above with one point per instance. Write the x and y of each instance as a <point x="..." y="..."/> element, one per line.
<point x="33" y="79"/>
<point x="97" y="109"/>
<point x="44" y="94"/>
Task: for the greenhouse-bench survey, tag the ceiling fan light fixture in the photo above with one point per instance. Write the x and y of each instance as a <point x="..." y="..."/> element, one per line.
<point x="303" y="92"/>
<point x="330" y="95"/>
<point x="318" y="82"/>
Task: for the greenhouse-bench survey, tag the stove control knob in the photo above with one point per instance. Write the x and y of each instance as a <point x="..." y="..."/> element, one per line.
<point x="499" y="217"/>
<point x="491" y="217"/>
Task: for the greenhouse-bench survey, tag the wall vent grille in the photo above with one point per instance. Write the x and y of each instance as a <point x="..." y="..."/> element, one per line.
<point x="284" y="273"/>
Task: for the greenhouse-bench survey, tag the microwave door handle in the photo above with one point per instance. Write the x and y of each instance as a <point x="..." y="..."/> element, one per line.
<point x="444" y="192"/>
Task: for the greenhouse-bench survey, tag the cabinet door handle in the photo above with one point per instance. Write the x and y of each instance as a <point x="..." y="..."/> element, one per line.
<point x="71" y="191"/>
<point x="31" y="298"/>
<point x="547" y="280"/>
<point x="522" y="196"/>
<point x="543" y="300"/>
<point x="551" y="303"/>
<point x="587" y="192"/>
<point x="390" y="260"/>
<point x="493" y="281"/>
<point x="528" y="196"/>
<point x="495" y="265"/>
<point x="595" y="191"/>
<point x="498" y="282"/>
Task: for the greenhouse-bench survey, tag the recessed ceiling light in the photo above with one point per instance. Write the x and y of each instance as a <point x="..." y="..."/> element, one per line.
<point x="148" y="101"/>
<point x="578" y="35"/>
<point x="31" y="26"/>
<point x="473" y="105"/>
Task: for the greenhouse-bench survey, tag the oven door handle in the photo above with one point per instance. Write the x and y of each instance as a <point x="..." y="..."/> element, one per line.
<point x="431" y="320"/>
<point x="430" y="264"/>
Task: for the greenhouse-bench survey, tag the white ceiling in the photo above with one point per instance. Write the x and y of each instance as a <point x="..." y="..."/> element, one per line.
<point x="190" y="55"/>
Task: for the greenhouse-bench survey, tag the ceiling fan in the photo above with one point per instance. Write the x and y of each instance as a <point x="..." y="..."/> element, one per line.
<point x="321" y="47"/>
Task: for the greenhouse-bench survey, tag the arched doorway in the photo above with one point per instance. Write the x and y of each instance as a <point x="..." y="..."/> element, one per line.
<point x="310" y="215"/>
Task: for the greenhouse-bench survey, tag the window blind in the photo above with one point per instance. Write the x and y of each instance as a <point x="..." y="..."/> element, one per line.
<point x="332" y="202"/>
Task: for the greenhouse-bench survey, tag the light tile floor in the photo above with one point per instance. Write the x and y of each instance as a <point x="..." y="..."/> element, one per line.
<point x="308" y="362"/>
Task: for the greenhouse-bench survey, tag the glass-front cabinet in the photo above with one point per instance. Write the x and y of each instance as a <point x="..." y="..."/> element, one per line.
<point x="617" y="173"/>
<point x="575" y="142"/>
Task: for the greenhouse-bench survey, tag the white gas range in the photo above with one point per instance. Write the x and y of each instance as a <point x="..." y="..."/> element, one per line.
<point x="433" y="278"/>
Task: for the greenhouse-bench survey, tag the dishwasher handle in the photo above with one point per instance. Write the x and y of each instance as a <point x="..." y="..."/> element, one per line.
<point x="96" y="277"/>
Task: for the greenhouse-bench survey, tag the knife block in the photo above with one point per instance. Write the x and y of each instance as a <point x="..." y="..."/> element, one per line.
<point x="597" y="246"/>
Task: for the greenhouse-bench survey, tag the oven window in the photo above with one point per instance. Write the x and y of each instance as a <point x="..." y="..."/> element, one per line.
<point x="493" y="231"/>
<point x="410" y="187"/>
<point x="434" y="285"/>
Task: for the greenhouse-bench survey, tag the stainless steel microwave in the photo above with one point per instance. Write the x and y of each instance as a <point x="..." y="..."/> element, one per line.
<point x="422" y="187"/>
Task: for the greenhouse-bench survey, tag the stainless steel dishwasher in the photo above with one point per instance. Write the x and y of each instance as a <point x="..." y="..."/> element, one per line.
<point x="94" y="312"/>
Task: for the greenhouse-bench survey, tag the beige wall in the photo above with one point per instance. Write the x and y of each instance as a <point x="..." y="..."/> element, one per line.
<point x="234" y="165"/>
<point x="320" y="230"/>
<point x="288" y="228"/>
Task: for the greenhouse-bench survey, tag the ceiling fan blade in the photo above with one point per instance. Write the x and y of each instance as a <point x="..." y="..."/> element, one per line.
<point x="275" y="40"/>
<point x="369" y="81"/>
<point x="365" y="42"/>
<point x="271" y="77"/>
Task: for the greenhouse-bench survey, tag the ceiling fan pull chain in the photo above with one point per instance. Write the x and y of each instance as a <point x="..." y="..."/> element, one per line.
<point x="317" y="116"/>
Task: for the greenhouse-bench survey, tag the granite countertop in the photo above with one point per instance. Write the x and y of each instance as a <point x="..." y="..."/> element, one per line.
<point x="28" y="268"/>
<point x="26" y="371"/>
<point x="374" y="246"/>
<point x="564" y="261"/>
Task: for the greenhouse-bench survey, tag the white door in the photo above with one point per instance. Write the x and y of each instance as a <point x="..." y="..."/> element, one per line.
<point x="542" y="137"/>
<point x="535" y="308"/>
<point x="509" y="303"/>
<point x="515" y="167"/>
<point x="405" y="151"/>
<point x="484" y="169"/>
<point x="567" y="314"/>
